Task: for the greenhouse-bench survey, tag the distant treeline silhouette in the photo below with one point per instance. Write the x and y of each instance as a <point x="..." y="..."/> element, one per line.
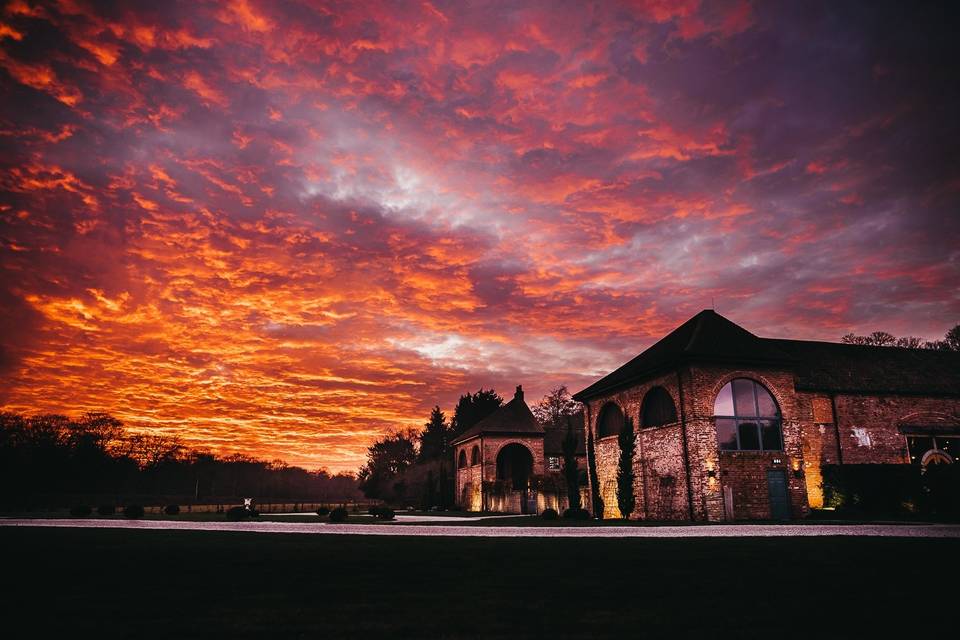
<point x="55" y="460"/>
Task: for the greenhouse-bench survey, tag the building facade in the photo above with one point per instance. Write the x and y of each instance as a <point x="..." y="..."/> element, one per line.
<point x="508" y="463"/>
<point x="732" y="426"/>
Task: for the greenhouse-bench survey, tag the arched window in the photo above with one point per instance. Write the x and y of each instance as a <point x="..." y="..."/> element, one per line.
<point x="462" y="460"/>
<point x="657" y="408"/>
<point x="747" y="417"/>
<point x="610" y="422"/>
<point x="475" y="455"/>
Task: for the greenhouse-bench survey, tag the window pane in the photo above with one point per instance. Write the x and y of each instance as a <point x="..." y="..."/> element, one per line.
<point x="743" y="397"/>
<point x="770" y="432"/>
<point x="918" y="445"/>
<point x="749" y="436"/>
<point x="768" y="406"/>
<point x="950" y="445"/>
<point x="723" y="405"/>
<point x="727" y="434"/>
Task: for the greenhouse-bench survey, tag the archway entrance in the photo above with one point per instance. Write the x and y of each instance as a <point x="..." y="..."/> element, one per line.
<point x="514" y="467"/>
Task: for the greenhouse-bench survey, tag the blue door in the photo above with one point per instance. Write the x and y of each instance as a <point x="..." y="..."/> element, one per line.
<point x="779" y="497"/>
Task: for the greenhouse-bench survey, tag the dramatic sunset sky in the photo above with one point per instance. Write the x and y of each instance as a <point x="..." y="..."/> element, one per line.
<point x="284" y="228"/>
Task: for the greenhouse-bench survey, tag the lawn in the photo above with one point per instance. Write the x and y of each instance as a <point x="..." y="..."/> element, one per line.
<point x="200" y="584"/>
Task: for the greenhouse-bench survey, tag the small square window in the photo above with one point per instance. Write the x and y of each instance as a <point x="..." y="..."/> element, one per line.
<point x="553" y="463"/>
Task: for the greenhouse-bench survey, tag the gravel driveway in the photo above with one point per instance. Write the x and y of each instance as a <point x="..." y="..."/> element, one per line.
<point x="686" y="531"/>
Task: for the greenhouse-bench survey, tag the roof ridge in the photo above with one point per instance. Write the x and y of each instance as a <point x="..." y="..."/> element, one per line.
<point x="696" y="330"/>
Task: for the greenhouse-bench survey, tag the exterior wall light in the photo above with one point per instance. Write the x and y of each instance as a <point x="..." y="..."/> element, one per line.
<point x="711" y="473"/>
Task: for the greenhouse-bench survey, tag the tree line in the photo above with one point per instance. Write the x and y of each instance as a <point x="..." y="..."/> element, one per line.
<point x="950" y="341"/>
<point x="55" y="460"/>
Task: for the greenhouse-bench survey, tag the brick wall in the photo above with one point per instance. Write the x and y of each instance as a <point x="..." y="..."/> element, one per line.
<point x="659" y="477"/>
<point x="868" y="425"/>
<point x="472" y="476"/>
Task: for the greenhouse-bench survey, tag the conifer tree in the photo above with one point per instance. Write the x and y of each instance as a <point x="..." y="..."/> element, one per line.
<point x="626" y="500"/>
<point x="594" y="484"/>
<point x="570" y="471"/>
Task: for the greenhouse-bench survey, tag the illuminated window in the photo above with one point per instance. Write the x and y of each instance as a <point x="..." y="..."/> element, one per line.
<point x="553" y="463"/>
<point x="747" y="417"/>
<point x="475" y="455"/>
<point x="657" y="408"/>
<point x="462" y="460"/>
<point x="610" y="422"/>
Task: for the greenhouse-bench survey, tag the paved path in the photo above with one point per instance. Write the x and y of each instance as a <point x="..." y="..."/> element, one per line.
<point x="689" y="531"/>
<point x="401" y="517"/>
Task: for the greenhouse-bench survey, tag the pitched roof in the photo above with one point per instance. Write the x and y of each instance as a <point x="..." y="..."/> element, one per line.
<point x="853" y="368"/>
<point x="706" y="337"/>
<point x="819" y="366"/>
<point x="513" y="417"/>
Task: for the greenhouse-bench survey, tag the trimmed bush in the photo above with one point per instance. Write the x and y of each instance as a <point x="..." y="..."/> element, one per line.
<point x="80" y="510"/>
<point x="133" y="511"/>
<point x="323" y="511"/>
<point x="385" y="513"/>
<point x="106" y="510"/>
<point x="237" y="513"/>
<point x="172" y="510"/>
<point x="340" y="514"/>
<point x="550" y="514"/>
<point x="576" y="514"/>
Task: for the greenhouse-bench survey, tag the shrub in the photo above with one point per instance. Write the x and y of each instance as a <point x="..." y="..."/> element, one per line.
<point x="374" y="510"/>
<point x="80" y="510"/>
<point x="340" y="514"/>
<point x="576" y="514"/>
<point x="323" y="511"/>
<point x="385" y="513"/>
<point x="133" y="511"/>
<point x="893" y="490"/>
<point x="106" y="510"/>
<point x="550" y="514"/>
<point x="172" y="510"/>
<point x="237" y="513"/>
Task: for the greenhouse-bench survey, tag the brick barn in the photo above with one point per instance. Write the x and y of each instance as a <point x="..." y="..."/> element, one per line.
<point x="508" y="463"/>
<point x="729" y="425"/>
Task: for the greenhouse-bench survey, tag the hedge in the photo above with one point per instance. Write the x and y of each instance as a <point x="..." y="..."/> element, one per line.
<point x="893" y="490"/>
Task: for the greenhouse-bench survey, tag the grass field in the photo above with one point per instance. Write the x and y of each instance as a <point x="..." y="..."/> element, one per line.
<point x="179" y="584"/>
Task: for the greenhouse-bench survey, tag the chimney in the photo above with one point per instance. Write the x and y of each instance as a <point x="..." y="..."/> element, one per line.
<point x="519" y="394"/>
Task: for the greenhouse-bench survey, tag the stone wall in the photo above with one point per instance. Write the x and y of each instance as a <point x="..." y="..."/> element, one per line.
<point x="473" y="476"/>
<point x="725" y="485"/>
<point x="659" y="477"/>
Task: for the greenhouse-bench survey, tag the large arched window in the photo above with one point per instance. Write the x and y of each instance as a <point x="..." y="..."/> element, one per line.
<point x="657" y="408"/>
<point x="610" y="421"/>
<point x="747" y="417"/>
<point x="475" y="455"/>
<point x="462" y="460"/>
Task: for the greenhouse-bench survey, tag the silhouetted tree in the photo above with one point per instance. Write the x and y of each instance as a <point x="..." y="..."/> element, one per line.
<point x="45" y="460"/>
<point x="555" y="407"/>
<point x="434" y="438"/>
<point x="472" y="408"/>
<point x="953" y="338"/>
<point x="950" y="342"/>
<point x="626" y="500"/>
<point x="570" y="471"/>
<point x="386" y="458"/>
